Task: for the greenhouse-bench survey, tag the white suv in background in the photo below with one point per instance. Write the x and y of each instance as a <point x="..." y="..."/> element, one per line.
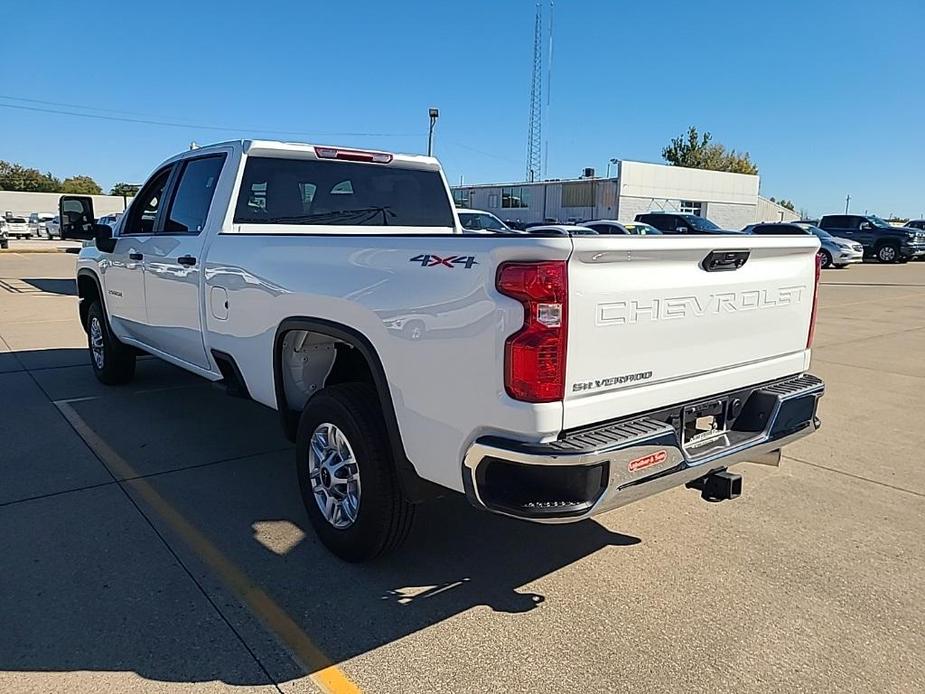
<point x="16" y="227"/>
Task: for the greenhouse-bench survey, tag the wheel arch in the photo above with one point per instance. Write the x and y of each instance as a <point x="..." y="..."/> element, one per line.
<point x="416" y="489"/>
<point x="89" y="287"/>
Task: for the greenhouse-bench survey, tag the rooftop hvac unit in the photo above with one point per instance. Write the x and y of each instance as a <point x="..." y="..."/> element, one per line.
<point x="589" y="173"/>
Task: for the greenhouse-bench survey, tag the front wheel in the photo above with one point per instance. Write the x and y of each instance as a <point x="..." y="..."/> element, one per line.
<point x="347" y="474"/>
<point x="113" y="362"/>
<point x="888" y="253"/>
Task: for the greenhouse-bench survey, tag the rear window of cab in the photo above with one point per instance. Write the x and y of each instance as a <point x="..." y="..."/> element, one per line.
<point x="311" y="192"/>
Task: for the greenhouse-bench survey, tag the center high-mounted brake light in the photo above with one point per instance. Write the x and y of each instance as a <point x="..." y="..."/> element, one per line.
<point x="534" y="356"/>
<point x="352" y="155"/>
<point x="812" y="317"/>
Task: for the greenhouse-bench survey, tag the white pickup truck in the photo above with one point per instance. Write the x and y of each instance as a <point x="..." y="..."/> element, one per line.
<point x="546" y="378"/>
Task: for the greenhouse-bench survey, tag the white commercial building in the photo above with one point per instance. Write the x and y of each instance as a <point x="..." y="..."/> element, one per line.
<point x="22" y="204"/>
<point x="730" y="200"/>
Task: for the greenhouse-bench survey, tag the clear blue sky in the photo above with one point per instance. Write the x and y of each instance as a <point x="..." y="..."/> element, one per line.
<point x="827" y="96"/>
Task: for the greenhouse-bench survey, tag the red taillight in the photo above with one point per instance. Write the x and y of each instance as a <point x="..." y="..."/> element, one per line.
<point x="534" y="356"/>
<point x="352" y="155"/>
<point x="812" y="318"/>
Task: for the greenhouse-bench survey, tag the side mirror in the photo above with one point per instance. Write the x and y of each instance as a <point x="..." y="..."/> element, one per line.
<point x="77" y="220"/>
<point x="103" y="238"/>
<point x="865" y="226"/>
<point x="682" y="230"/>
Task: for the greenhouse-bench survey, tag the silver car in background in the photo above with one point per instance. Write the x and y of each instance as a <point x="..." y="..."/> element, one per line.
<point x="835" y="252"/>
<point x="37" y="222"/>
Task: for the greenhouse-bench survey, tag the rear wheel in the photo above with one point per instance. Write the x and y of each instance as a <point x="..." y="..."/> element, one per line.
<point x="826" y="258"/>
<point x="888" y="253"/>
<point x="347" y="475"/>
<point x="113" y="362"/>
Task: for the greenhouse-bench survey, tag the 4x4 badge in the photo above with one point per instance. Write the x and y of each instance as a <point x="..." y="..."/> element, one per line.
<point x="451" y="261"/>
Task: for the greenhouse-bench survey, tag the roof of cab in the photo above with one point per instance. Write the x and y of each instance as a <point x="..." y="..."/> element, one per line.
<point x="300" y="150"/>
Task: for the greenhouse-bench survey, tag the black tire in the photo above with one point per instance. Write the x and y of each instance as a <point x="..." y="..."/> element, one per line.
<point x="826" y="258"/>
<point x="384" y="516"/>
<point x="4" y="244"/>
<point x="115" y="364"/>
<point x="888" y="253"/>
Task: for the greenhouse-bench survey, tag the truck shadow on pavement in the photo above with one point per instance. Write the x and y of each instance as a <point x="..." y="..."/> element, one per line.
<point x="93" y="585"/>
<point x="27" y="285"/>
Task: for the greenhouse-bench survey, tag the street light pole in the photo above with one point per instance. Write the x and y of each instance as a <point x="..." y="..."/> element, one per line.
<point x="847" y="200"/>
<point x="434" y="115"/>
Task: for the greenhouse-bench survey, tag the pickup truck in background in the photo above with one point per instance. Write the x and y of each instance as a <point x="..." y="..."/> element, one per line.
<point x="678" y="223"/>
<point x="880" y="239"/>
<point x="548" y="378"/>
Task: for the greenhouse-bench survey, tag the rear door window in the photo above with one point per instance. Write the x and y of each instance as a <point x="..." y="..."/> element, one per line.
<point x="311" y="192"/>
<point x="193" y="196"/>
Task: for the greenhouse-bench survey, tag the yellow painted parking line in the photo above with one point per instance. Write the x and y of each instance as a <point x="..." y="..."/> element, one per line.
<point x="322" y="671"/>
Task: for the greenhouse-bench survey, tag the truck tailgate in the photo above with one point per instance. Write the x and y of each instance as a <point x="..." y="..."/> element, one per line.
<point x="649" y="326"/>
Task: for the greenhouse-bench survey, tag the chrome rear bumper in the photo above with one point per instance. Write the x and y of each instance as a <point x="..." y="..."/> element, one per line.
<point x="601" y="468"/>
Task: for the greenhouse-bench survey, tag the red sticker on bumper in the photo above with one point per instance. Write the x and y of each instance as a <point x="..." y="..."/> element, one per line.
<point x="647" y="461"/>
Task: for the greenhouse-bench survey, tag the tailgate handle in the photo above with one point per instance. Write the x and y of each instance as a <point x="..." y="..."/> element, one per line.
<point x="720" y="261"/>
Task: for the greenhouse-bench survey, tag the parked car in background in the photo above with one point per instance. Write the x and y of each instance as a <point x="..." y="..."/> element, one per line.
<point x="37" y="221"/>
<point x="110" y="219"/>
<point x="880" y="240"/>
<point x="481" y="222"/>
<point x="834" y="252"/>
<point x="561" y="230"/>
<point x="606" y="226"/>
<point x="16" y="227"/>
<point x="916" y="224"/>
<point x="515" y="224"/>
<point x="612" y="226"/>
<point x="640" y="229"/>
<point x="677" y="223"/>
<point x="53" y="228"/>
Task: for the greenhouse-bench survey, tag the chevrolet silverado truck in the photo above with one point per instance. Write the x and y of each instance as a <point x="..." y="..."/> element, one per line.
<point x="551" y="377"/>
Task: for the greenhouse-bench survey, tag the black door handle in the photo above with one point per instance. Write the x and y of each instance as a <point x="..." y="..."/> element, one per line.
<point x="135" y="256"/>
<point x="186" y="260"/>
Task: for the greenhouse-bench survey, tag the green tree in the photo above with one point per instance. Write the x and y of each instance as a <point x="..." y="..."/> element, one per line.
<point x="18" y="177"/>
<point x="129" y="190"/>
<point x="698" y="151"/>
<point x="81" y="185"/>
<point x="786" y="203"/>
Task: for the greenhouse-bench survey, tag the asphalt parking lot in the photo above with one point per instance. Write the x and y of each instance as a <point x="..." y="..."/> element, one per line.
<point x="152" y="539"/>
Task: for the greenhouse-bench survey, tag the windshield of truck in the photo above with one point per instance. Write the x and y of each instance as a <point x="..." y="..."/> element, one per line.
<point x="306" y="191"/>
<point x="700" y="223"/>
<point x="879" y="223"/>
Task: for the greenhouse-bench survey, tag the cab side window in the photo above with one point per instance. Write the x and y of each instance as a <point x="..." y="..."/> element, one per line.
<point x="145" y="206"/>
<point x="193" y="197"/>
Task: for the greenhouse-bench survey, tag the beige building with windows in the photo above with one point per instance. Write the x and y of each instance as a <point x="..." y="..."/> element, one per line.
<point x="730" y="200"/>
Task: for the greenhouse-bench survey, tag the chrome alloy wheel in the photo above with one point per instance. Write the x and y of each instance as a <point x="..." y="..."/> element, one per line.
<point x="334" y="475"/>
<point x="96" y="342"/>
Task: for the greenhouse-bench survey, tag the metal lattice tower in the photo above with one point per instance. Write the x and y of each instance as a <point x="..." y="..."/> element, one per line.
<point x="535" y="128"/>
